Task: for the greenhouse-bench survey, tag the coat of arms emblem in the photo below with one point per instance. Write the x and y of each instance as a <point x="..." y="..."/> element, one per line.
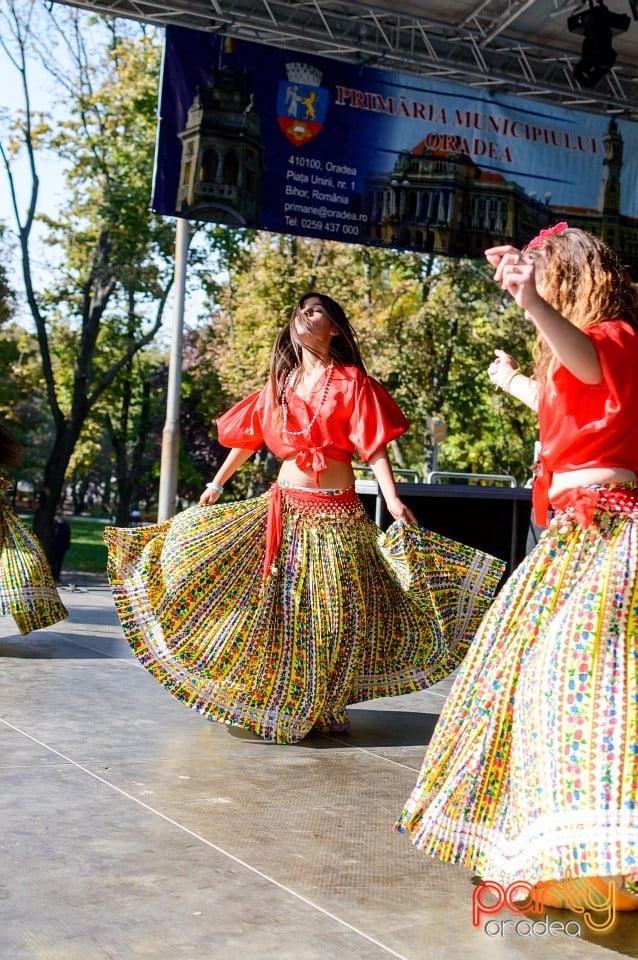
<point x="301" y="103"/>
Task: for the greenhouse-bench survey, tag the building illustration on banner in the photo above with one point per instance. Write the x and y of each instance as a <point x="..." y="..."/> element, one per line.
<point x="221" y="162"/>
<point x="445" y="203"/>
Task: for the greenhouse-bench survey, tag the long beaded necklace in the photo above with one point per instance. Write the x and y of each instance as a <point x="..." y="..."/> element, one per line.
<point x="305" y="432"/>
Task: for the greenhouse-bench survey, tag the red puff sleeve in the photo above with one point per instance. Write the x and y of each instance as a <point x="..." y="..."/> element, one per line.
<point x="376" y="418"/>
<point x="241" y="426"/>
<point x="617" y="348"/>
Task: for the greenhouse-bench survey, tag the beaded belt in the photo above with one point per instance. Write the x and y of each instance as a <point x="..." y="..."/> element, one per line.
<point x="306" y="500"/>
<point x="583" y="502"/>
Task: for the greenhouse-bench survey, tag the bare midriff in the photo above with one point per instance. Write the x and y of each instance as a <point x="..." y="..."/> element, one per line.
<point x="588" y="476"/>
<point x="337" y="475"/>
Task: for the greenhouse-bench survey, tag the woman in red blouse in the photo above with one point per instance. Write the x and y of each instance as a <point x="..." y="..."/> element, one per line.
<point x="318" y="410"/>
<point x="542" y="787"/>
<point x="277" y="612"/>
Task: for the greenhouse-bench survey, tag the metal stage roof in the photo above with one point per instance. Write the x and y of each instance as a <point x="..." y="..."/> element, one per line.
<point x="521" y="47"/>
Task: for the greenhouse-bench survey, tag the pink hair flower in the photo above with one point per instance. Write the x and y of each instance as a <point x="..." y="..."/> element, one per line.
<point x="547" y="232"/>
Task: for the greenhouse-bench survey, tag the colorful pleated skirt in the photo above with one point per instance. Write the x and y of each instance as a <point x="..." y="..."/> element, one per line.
<point x="532" y="771"/>
<point x="344" y="614"/>
<point x="27" y="590"/>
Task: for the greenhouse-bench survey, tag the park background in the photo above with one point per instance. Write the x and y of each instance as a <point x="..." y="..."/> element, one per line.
<point x="86" y="279"/>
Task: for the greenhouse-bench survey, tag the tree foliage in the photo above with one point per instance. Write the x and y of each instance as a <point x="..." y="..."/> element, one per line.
<point x="86" y="375"/>
<point x="427" y="329"/>
<point x="105" y="301"/>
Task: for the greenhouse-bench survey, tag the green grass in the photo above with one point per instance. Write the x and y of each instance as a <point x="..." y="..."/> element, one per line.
<point x="87" y="551"/>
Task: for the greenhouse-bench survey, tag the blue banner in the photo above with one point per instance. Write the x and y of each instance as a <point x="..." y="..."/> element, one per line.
<point x="274" y="139"/>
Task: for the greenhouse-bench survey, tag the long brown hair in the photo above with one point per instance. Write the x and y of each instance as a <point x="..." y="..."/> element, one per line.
<point x="286" y="352"/>
<point x="10" y="449"/>
<point x="585" y="281"/>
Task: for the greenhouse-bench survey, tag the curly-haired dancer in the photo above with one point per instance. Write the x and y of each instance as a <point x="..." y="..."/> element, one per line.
<point x="532" y="771"/>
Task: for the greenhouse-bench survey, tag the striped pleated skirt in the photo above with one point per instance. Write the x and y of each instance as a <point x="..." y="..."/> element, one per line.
<point x="345" y="613"/>
<point x="532" y="771"/>
<point x="27" y="590"/>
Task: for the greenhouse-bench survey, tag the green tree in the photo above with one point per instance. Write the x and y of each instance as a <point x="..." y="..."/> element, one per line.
<point x="22" y="407"/>
<point x="7" y="295"/>
<point x="133" y="428"/>
<point x="108" y="245"/>
<point x="434" y="334"/>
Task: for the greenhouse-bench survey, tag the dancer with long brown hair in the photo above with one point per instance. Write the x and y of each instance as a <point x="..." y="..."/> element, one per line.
<point x="277" y="612"/>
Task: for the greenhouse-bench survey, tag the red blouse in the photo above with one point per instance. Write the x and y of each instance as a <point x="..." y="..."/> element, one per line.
<point x="590" y="425"/>
<point x="357" y="415"/>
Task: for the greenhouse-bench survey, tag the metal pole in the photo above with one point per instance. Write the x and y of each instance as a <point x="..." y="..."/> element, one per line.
<point x="170" y="435"/>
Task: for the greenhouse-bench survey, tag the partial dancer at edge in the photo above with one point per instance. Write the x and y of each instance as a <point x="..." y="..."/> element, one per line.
<point x="532" y="771"/>
<point x="27" y="590"/>
<point x="275" y="613"/>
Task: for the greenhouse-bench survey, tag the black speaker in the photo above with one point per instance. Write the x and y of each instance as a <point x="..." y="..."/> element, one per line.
<point x="494" y="519"/>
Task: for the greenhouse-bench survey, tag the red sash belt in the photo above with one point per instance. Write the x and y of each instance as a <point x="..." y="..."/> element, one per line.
<point x="584" y="501"/>
<point x="273" y="529"/>
<point x="303" y="498"/>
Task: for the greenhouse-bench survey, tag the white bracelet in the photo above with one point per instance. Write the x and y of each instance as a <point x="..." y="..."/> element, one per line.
<point x="214" y="486"/>
<point x="506" y="386"/>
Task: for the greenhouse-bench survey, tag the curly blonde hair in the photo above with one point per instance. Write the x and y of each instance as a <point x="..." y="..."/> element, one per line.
<point x="585" y="281"/>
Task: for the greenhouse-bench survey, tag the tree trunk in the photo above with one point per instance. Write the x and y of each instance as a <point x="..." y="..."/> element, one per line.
<point x="54" y="473"/>
<point x="128" y="479"/>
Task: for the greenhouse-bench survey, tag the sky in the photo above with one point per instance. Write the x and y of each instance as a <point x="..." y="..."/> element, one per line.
<point x="49" y="169"/>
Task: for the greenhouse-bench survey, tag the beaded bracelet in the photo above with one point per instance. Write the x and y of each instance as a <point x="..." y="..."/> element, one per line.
<point x="506" y="386"/>
<point x="214" y="486"/>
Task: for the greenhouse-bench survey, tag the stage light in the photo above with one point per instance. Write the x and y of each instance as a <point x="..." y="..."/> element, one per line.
<point x="598" y="24"/>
